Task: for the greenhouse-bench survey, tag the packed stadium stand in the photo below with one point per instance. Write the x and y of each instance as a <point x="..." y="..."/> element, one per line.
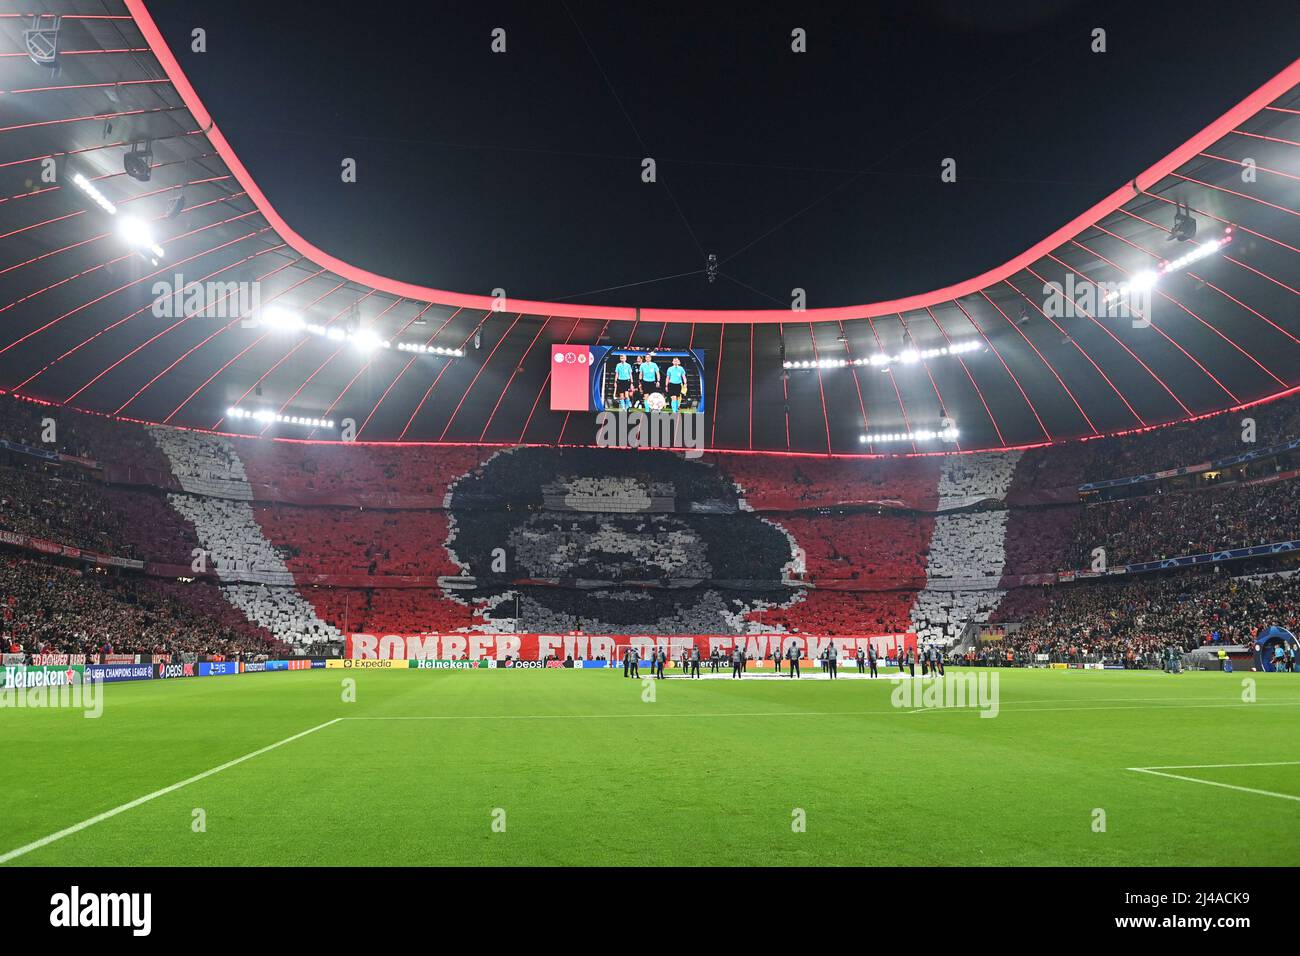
<point x="347" y="453"/>
<point x="244" y="544"/>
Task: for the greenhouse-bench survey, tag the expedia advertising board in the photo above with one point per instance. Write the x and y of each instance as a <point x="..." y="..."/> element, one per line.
<point x="349" y="664"/>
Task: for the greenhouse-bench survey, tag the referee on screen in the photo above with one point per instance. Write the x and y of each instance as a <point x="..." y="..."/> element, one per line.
<point x="649" y="375"/>
<point x="623" y="385"/>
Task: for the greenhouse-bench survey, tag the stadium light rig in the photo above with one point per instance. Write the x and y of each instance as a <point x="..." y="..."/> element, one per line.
<point x="423" y="349"/>
<point x="266" y="417"/>
<point x="884" y="360"/>
<point x="942" y="434"/>
<point x="279" y="319"/>
<point x="137" y="233"/>
<point x="1147" y="279"/>
<point x="100" y="200"/>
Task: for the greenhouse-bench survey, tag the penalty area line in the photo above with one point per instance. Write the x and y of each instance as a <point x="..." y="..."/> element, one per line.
<point x="1216" y="783"/>
<point x="783" y="713"/>
<point x="1217" y="766"/>
<point x="101" y="817"/>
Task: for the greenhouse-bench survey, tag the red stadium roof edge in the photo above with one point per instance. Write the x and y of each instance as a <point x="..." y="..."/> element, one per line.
<point x="1248" y="107"/>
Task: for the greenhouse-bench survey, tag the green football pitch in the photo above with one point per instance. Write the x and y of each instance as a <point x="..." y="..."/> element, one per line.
<point x="576" y="767"/>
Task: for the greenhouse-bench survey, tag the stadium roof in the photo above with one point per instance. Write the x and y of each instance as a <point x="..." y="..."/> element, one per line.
<point x="83" y="315"/>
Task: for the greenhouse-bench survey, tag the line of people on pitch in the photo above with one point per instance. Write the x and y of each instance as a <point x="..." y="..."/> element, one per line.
<point x="867" y="661"/>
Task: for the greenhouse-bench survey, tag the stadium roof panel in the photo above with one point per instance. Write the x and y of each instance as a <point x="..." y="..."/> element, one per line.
<point x="1215" y="322"/>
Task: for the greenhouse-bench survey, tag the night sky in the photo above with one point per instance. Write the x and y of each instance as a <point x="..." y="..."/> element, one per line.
<point x="818" y="170"/>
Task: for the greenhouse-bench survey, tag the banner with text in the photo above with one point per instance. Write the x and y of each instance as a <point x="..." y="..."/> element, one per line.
<point x="534" y="647"/>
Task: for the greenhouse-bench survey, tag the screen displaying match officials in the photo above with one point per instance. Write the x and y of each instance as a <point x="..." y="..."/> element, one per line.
<point x="650" y="380"/>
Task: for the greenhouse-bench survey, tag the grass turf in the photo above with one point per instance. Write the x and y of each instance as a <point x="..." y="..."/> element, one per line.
<point x="709" y="773"/>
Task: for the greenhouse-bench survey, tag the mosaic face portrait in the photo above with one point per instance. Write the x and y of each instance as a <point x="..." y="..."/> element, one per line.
<point x="611" y="542"/>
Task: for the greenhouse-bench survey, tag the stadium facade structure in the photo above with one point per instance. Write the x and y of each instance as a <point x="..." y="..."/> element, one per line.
<point x="81" y="325"/>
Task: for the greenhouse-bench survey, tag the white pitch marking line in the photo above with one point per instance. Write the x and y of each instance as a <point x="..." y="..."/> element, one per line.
<point x="783" y="713"/>
<point x="100" y="818"/>
<point x="1011" y="707"/>
<point x="809" y="713"/>
<point x="1214" y="766"/>
<point x="1225" y="786"/>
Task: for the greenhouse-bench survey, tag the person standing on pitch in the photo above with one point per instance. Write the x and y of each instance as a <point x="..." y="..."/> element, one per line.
<point x="649" y="374"/>
<point x="871" y="658"/>
<point x="737" y="661"/>
<point x="776" y="659"/>
<point x="911" y="663"/>
<point x="634" y="658"/>
<point x="793" y="655"/>
<point x="623" y="382"/>
<point x="676" y="384"/>
<point x="832" y="660"/>
<point x="862" y="661"/>
<point x="627" y="662"/>
<point x="660" y="658"/>
<point x="695" y="662"/>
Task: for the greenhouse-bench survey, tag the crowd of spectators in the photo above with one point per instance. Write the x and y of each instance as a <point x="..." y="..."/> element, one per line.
<point x="571" y="513"/>
<point x="1187" y="522"/>
<point x="70" y="505"/>
<point x="1158" y="449"/>
<point x="1040" y="540"/>
<point x="791" y="483"/>
<point x="839" y="613"/>
<point x="1131" y="620"/>
<point x="52" y="607"/>
<point x="80" y="434"/>
<point x="335" y="540"/>
<point x="870" y="549"/>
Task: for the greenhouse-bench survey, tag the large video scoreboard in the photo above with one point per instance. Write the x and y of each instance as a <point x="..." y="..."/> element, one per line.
<point x="582" y="376"/>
